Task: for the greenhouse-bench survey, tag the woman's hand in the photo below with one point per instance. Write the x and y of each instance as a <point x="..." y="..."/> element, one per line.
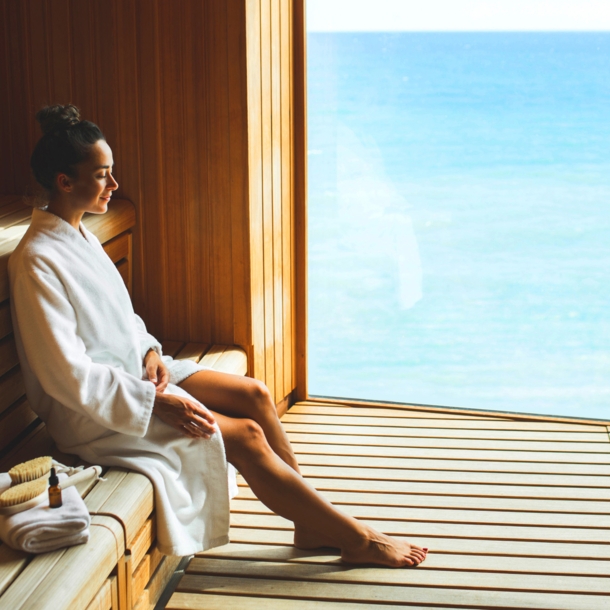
<point x="185" y="415"/>
<point x="156" y="371"/>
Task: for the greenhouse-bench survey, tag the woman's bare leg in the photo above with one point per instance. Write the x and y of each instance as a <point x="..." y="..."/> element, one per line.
<point x="285" y="492"/>
<point x="238" y="396"/>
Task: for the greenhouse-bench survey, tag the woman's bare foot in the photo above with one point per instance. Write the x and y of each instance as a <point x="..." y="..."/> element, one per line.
<point x="305" y="539"/>
<point x="382" y="550"/>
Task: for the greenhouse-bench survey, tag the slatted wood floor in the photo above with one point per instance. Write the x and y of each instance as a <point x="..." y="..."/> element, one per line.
<point x="516" y="515"/>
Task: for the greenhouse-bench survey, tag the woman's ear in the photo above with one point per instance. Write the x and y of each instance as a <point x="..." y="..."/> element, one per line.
<point x="64" y="183"/>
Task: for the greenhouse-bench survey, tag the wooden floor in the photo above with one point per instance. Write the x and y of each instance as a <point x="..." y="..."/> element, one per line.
<point x="516" y="514"/>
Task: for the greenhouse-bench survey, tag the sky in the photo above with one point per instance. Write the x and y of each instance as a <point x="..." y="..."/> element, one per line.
<point x="457" y="15"/>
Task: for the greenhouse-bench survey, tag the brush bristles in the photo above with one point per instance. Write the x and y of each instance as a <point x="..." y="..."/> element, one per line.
<point x="22" y="493"/>
<point x="31" y="470"/>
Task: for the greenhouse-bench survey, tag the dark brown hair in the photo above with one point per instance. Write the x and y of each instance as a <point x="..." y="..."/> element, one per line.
<point x="65" y="143"/>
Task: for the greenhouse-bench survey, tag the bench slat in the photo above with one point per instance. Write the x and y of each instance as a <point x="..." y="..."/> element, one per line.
<point x="131" y="502"/>
<point x="11" y="565"/>
<point x="192" y="351"/>
<point x="8" y="354"/>
<point x="14" y="421"/>
<point x="119" y="247"/>
<point x="226" y="358"/>
<point x="107" y="596"/>
<point x="6" y="327"/>
<point x="69" y="578"/>
<point x="143" y="540"/>
<point x="11" y="388"/>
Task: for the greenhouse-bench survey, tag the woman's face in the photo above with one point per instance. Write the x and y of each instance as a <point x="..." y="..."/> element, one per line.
<point x="92" y="188"/>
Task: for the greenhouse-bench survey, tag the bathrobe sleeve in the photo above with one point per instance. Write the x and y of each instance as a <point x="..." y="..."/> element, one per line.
<point x="57" y="356"/>
<point x="147" y="341"/>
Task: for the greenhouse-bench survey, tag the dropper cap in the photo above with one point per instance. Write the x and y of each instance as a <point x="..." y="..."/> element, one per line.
<point x="53" y="479"/>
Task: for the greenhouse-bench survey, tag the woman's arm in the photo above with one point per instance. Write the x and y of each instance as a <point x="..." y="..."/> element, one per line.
<point x="57" y="357"/>
<point x="156" y="371"/>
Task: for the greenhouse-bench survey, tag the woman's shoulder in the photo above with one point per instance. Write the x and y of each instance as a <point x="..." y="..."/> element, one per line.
<point x="38" y="246"/>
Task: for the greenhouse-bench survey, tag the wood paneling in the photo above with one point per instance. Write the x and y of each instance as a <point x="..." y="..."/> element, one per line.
<point x="197" y="105"/>
<point x="272" y="254"/>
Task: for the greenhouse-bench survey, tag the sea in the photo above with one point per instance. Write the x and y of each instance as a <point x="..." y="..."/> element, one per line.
<point x="459" y="219"/>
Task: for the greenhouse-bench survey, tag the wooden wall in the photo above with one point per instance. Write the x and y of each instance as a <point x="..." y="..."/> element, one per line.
<point x="196" y="100"/>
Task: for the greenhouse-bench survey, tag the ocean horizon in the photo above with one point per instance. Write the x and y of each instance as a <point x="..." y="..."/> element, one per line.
<point x="459" y="233"/>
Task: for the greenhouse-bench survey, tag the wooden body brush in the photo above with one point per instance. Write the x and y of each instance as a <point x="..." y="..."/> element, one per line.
<point x="32" y="493"/>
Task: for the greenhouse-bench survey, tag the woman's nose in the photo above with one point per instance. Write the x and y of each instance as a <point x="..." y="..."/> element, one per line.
<point x="113" y="185"/>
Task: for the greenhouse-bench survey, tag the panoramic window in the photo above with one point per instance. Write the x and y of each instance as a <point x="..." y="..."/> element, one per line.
<point x="458" y="197"/>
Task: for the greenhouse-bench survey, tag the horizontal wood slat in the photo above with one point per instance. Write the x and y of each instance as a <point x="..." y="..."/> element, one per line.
<point x="189" y="601"/>
<point x="14" y="421"/>
<point x="428" y="577"/>
<point x="478" y="546"/>
<point x="448" y="442"/>
<point x="417" y="421"/>
<point x="524" y="436"/>
<point x="506" y="531"/>
<point x="435" y="561"/>
<point x="459" y="489"/>
<point x="448" y="463"/>
<point x="472" y="454"/>
<point x="511" y="523"/>
<point x="390" y="594"/>
<point x="106" y="597"/>
<point x="313" y="407"/>
<point x="193" y="351"/>
<point x="11" y="388"/>
<point x="497" y="478"/>
<point x="6" y="326"/>
<point x="119" y="247"/>
<point x="457" y="515"/>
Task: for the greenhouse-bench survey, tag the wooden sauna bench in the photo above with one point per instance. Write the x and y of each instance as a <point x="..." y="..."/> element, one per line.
<point x="515" y="511"/>
<point x="120" y="567"/>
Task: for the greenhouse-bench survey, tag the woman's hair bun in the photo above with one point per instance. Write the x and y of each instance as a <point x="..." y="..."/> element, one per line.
<point x="57" y="118"/>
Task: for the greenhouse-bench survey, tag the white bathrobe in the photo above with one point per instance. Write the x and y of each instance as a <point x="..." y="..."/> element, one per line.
<point x="81" y="348"/>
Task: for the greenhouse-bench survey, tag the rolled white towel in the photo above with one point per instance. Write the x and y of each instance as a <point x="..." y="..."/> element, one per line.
<point x="41" y="529"/>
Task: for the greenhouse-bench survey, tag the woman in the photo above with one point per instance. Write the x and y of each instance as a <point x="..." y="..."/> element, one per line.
<point x="98" y="380"/>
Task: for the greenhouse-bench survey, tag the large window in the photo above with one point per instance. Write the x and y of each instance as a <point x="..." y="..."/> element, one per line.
<point x="459" y="204"/>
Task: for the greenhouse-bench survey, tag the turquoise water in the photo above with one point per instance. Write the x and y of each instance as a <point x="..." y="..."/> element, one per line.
<point x="459" y="230"/>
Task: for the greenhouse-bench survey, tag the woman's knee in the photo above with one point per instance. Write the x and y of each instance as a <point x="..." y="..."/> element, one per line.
<point x="246" y="439"/>
<point x="260" y="397"/>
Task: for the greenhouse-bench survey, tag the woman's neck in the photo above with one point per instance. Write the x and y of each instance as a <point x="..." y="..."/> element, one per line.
<point x="65" y="211"/>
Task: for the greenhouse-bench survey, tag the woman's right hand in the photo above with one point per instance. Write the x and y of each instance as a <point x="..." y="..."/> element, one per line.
<point x="184" y="415"/>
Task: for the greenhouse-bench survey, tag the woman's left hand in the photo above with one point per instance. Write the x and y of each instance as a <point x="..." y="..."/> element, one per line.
<point x="156" y="371"/>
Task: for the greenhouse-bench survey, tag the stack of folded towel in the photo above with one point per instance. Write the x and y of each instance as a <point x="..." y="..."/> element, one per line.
<point x="41" y="529"/>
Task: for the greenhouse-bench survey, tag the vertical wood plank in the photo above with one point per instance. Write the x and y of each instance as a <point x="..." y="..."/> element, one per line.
<point x="6" y="184"/>
<point x="151" y="223"/>
<point x="127" y="154"/>
<point x="171" y="78"/>
<point x="267" y="153"/>
<point x="17" y="148"/>
<point x="83" y="65"/>
<point x="60" y="50"/>
<point x="219" y="173"/>
<point x="255" y="174"/>
<point x="276" y="219"/>
<point x="299" y="148"/>
<point x="198" y="232"/>
<point x="287" y="198"/>
<point x="238" y="163"/>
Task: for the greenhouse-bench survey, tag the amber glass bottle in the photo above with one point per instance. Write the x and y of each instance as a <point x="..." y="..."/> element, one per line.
<point x="54" y="490"/>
